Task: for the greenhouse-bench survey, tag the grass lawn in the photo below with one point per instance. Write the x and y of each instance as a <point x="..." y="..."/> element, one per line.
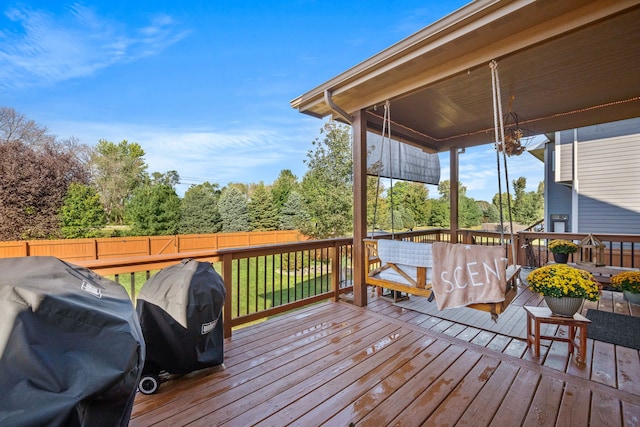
<point x="259" y="283"/>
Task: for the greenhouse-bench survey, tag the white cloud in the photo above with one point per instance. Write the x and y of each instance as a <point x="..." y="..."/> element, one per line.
<point x="40" y="48"/>
<point x="235" y="155"/>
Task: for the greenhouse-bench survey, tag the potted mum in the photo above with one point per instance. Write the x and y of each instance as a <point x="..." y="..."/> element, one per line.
<point x="564" y="287"/>
<point x="629" y="283"/>
<point x="561" y="249"/>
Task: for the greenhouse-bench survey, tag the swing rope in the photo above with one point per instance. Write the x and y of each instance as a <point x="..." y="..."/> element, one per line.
<point x="386" y="133"/>
<point x="499" y="146"/>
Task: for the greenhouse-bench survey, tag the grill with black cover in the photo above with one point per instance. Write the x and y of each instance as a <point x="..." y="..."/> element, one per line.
<point x="71" y="348"/>
<point x="180" y="311"/>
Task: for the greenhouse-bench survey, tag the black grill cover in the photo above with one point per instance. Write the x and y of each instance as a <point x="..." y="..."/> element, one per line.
<point x="180" y="311"/>
<point x="71" y="347"/>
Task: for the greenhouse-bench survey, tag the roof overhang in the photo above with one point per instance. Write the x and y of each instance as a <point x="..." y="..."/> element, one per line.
<point x="561" y="65"/>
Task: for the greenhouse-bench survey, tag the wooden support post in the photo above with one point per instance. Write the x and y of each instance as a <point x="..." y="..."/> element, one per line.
<point x="359" y="129"/>
<point x="454" y="178"/>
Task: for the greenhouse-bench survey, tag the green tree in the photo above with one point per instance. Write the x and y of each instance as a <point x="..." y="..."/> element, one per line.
<point x="503" y="206"/>
<point x="408" y="220"/>
<point x="444" y="189"/>
<point x="244" y="189"/>
<point x="293" y="215"/>
<point x="170" y="178"/>
<point x="233" y="209"/>
<point x="199" y="210"/>
<point x="327" y="186"/>
<point x="82" y="212"/>
<point x="154" y="208"/>
<point x="376" y="203"/>
<point x="469" y="213"/>
<point x="282" y="187"/>
<point x="490" y="212"/>
<point x="413" y="197"/>
<point x="395" y="222"/>
<point x="118" y="169"/>
<point x="263" y="214"/>
<point x="528" y="206"/>
<point x="440" y="213"/>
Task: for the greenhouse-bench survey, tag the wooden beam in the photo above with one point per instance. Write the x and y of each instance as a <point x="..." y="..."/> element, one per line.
<point x="454" y="177"/>
<point x="359" y="133"/>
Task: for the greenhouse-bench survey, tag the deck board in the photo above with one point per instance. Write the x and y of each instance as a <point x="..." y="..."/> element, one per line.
<point x="486" y="402"/>
<point x="457" y="401"/>
<point x="513" y="408"/>
<point x="572" y="408"/>
<point x="336" y="364"/>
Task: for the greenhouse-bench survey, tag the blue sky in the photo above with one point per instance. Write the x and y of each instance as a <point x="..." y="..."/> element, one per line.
<point x="204" y="86"/>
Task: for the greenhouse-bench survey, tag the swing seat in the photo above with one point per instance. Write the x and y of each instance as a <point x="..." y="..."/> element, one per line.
<point x="407" y="267"/>
<point x="399" y="265"/>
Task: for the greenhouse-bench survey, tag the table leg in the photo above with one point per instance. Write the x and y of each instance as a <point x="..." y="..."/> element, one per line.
<point x="572" y="338"/>
<point x="582" y="354"/>
<point x="537" y="338"/>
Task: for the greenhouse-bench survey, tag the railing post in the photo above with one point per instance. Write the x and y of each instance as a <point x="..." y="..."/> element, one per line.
<point x="132" y="284"/>
<point x="336" y="271"/>
<point x="227" y="277"/>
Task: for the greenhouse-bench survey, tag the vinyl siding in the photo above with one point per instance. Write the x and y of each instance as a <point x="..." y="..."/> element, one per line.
<point x="609" y="185"/>
<point x="564" y="157"/>
<point x="608" y="177"/>
<point x="558" y="196"/>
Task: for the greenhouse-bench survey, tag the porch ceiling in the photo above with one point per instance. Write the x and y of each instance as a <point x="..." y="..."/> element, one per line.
<point x="561" y="65"/>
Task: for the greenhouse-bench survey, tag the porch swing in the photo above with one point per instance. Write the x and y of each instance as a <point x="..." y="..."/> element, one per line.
<point x="416" y="268"/>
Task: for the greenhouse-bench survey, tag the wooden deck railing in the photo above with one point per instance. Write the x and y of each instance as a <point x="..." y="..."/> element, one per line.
<point x="621" y="250"/>
<point x="263" y="281"/>
<point x="260" y="281"/>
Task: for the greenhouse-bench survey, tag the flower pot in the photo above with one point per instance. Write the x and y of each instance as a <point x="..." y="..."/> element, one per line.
<point x="524" y="272"/>
<point x="560" y="258"/>
<point x="633" y="298"/>
<point x="565" y="306"/>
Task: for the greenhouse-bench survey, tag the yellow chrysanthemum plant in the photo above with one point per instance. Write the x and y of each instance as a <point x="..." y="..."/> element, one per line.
<point x="628" y="281"/>
<point x="562" y="246"/>
<point x="562" y="280"/>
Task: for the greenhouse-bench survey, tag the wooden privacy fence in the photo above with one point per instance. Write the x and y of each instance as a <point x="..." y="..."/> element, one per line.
<point x="122" y="247"/>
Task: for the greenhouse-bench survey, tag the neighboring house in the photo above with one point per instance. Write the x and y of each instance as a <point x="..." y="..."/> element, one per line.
<point x="592" y="178"/>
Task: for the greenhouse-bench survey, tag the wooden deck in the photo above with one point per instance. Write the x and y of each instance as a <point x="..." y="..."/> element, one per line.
<point x="336" y="364"/>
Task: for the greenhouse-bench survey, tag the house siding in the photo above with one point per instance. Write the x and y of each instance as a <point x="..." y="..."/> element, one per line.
<point x="607" y="178"/>
<point x="609" y="185"/>
<point x="558" y="196"/>
<point x="564" y="156"/>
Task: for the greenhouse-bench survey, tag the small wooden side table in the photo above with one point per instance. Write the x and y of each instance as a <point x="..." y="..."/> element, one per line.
<point x="576" y="324"/>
